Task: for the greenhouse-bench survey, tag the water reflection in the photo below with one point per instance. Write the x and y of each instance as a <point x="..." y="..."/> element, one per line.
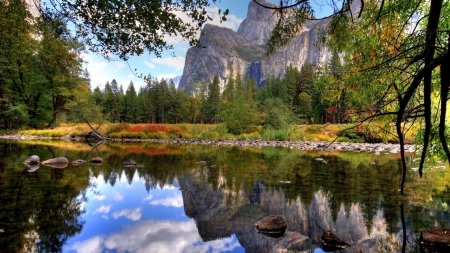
<point x="107" y="207"/>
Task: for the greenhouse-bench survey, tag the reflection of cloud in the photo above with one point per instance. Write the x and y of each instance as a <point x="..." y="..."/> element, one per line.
<point x="90" y="245"/>
<point x="149" y="197"/>
<point x="165" y="236"/>
<point x="175" y="201"/>
<point x="117" y="196"/>
<point x="102" y="209"/>
<point x="100" y="197"/>
<point x="131" y="214"/>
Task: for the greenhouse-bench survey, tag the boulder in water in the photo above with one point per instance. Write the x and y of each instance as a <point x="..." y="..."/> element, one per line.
<point x="272" y="225"/>
<point x="57" y="160"/>
<point x="32" y="160"/>
<point x="96" y="160"/>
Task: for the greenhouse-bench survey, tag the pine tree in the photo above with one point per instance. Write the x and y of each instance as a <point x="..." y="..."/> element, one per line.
<point x="214" y="99"/>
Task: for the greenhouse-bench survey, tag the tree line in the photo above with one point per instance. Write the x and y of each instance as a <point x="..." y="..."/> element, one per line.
<point x="299" y="97"/>
<point x="44" y="82"/>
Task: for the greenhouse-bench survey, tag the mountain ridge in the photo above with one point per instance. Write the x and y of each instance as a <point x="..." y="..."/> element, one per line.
<point x="225" y="53"/>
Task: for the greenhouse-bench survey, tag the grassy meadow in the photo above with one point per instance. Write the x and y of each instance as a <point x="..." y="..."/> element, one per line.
<point x="327" y="132"/>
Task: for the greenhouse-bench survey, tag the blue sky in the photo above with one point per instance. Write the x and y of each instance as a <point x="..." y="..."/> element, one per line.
<point x="168" y="66"/>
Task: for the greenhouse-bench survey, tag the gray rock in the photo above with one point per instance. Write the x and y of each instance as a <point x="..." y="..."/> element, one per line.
<point x="129" y="162"/>
<point x="78" y="162"/>
<point x="34" y="159"/>
<point x="272" y="224"/>
<point x="55" y="161"/>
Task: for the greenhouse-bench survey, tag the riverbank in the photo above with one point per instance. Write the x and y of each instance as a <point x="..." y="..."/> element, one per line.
<point x="377" y="148"/>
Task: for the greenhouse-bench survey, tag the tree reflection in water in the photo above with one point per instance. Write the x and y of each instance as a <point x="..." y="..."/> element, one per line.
<point x="355" y="195"/>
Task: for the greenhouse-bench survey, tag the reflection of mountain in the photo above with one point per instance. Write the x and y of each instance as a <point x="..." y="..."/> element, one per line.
<point x="351" y="194"/>
<point x="221" y="213"/>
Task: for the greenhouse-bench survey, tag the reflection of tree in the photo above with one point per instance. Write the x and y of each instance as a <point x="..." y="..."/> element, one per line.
<point x="38" y="207"/>
<point x="245" y="184"/>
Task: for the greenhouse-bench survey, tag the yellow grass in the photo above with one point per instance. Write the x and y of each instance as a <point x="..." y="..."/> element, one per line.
<point x="326" y="132"/>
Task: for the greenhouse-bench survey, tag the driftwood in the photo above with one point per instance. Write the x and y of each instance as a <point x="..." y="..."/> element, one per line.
<point x="94" y="131"/>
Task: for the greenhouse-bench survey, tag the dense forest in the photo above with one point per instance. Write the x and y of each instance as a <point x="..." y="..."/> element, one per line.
<point x="389" y="64"/>
<point x="44" y="83"/>
<point x="295" y="98"/>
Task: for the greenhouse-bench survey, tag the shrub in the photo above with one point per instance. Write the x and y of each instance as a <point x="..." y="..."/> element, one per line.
<point x="114" y="128"/>
<point x="210" y="135"/>
<point x="272" y="134"/>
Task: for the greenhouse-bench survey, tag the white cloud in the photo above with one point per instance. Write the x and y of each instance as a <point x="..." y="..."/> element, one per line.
<point x="174" y="62"/>
<point x="120" y="65"/>
<point x="165" y="76"/>
<point x="149" y="64"/>
<point x="175" y="201"/>
<point x="102" y="209"/>
<point x="131" y="214"/>
<point x="165" y="236"/>
<point x="232" y="22"/>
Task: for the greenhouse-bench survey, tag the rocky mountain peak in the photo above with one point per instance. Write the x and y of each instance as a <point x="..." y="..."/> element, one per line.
<point x="224" y="52"/>
<point x="259" y="23"/>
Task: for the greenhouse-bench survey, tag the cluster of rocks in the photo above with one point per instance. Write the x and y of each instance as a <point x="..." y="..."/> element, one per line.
<point x="275" y="226"/>
<point x="33" y="162"/>
<point x="377" y="148"/>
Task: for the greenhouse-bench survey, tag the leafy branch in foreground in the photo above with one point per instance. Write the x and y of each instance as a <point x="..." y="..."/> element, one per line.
<point x="396" y="55"/>
<point x="127" y="28"/>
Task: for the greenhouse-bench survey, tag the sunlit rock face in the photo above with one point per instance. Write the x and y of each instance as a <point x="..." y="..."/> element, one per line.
<point x="33" y="7"/>
<point x="225" y="52"/>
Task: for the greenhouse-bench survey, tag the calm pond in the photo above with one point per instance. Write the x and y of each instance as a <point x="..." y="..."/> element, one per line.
<point x="172" y="204"/>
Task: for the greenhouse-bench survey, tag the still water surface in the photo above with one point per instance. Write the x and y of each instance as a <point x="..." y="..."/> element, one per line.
<point x="172" y="204"/>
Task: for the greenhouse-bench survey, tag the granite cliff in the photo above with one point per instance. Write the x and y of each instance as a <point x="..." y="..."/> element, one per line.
<point x="225" y="51"/>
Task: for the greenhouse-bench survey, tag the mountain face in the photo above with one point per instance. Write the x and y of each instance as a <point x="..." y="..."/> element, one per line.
<point x="225" y="52"/>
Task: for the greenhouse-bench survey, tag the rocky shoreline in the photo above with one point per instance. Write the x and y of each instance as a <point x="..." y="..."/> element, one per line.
<point x="377" y="148"/>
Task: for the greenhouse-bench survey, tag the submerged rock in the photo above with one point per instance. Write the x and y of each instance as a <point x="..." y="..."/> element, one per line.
<point x="78" y="162"/>
<point x="332" y="242"/>
<point x="294" y="242"/>
<point x="437" y="240"/>
<point x="129" y="162"/>
<point x="34" y="159"/>
<point x="56" y="161"/>
<point x="272" y="225"/>
<point x="97" y="160"/>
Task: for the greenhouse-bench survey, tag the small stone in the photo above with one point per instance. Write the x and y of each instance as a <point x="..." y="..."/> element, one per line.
<point x="96" y="160"/>
<point x="57" y="160"/>
<point x="78" y="162"/>
<point x="129" y="162"/>
<point x="34" y="159"/>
